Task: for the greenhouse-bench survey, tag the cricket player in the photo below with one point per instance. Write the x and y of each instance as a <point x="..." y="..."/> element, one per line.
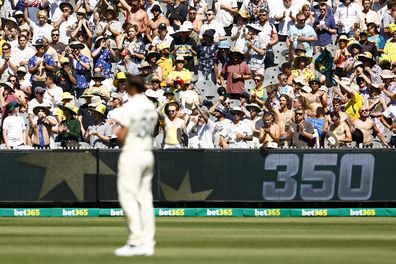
<point x="135" y="169"/>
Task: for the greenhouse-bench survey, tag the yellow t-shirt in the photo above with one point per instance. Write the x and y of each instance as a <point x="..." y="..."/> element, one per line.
<point x="306" y="73"/>
<point x="185" y="75"/>
<point x="166" y="66"/>
<point x="2" y="41"/>
<point x="260" y="92"/>
<point x="390" y="50"/>
<point x="353" y="106"/>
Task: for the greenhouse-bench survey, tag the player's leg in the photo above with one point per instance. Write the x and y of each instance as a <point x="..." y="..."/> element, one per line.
<point x="145" y="200"/>
<point x="128" y="182"/>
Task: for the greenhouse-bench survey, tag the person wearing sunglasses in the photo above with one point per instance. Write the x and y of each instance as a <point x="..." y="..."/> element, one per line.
<point x="368" y="127"/>
<point x="301" y="132"/>
<point x="301" y="33"/>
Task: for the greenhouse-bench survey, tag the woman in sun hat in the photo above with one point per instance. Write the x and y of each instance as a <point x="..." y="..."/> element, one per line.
<point x="69" y="130"/>
<point x="341" y="56"/>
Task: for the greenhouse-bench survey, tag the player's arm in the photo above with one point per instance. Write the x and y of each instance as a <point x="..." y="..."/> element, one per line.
<point x="122" y="134"/>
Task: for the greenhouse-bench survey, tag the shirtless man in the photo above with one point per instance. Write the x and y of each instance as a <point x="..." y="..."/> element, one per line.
<point x="152" y="29"/>
<point x="340" y="129"/>
<point x="337" y="104"/>
<point x="192" y="17"/>
<point x="283" y="116"/>
<point x="136" y="15"/>
<point x="41" y="127"/>
<point x="367" y="126"/>
<point x="315" y="103"/>
<point x="270" y="131"/>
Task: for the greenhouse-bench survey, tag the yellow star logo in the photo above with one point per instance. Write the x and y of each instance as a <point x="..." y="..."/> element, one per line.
<point x="66" y="166"/>
<point x="184" y="192"/>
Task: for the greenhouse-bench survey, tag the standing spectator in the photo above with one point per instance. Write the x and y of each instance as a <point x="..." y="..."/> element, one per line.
<point x="42" y="29"/>
<point x="324" y="26"/>
<point x="285" y="15"/>
<point x="206" y="58"/>
<point x="390" y="46"/>
<point x="301" y="132"/>
<point x="65" y="22"/>
<point x="339" y="129"/>
<point x="220" y="59"/>
<point x="176" y="13"/>
<point x="136" y="16"/>
<point x="53" y="92"/>
<point x="369" y="15"/>
<point x="302" y="34"/>
<point x="64" y="76"/>
<point x="239" y="30"/>
<point x="256" y="47"/>
<point x="253" y="8"/>
<point x="161" y="38"/>
<point x="38" y="100"/>
<point x="203" y="128"/>
<point x="155" y="22"/>
<point x="238" y="133"/>
<point x="236" y="71"/>
<point x="368" y="127"/>
<point x="367" y="45"/>
<point x="225" y="14"/>
<point x="56" y="44"/>
<point x="255" y="122"/>
<point x="23" y="52"/>
<point x="8" y="66"/>
<point x="69" y="130"/>
<point x="219" y="112"/>
<point x="165" y="62"/>
<point x="375" y="37"/>
<point x="98" y="135"/>
<point x="347" y="17"/>
<point x="102" y="53"/>
<point x="316" y="103"/>
<point x="258" y="95"/>
<point x="341" y="56"/>
<point x="269" y="132"/>
<point x="309" y="16"/>
<point x="39" y="64"/>
<point x="14" y="127"/>
<point x="175" y="127"/>
<point x="185" y="46"/>
<point x="269" y="34"/>
<point x="41" y="127"/>
<point x="81" y="65"/>
<point x="211" y="23"/>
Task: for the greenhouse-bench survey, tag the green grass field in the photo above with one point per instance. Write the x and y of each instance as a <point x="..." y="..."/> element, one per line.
<point x="202" y="240"/>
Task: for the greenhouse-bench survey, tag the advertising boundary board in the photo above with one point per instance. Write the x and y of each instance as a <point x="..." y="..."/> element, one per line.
<point x="202" y="212"/>
<point x="88" y="178"/>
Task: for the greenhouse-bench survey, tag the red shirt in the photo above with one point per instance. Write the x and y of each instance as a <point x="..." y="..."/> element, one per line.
<point x="235" y="85"/>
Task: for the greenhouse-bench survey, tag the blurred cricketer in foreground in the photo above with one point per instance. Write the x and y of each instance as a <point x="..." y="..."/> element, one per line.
<point x="135" y="170"/>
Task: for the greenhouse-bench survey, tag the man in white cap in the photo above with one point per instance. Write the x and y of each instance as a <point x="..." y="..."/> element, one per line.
<point x="238" y="133"/>
<point x="134" y="178"/>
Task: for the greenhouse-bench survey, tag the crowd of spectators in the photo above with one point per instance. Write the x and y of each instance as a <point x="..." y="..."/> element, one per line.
<point x="64" y="66"/>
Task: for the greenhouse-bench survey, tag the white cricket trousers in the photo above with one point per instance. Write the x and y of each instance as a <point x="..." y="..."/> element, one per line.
<point x="135" y="172"/>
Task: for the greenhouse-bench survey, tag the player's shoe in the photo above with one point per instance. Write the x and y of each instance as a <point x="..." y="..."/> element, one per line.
<point x="130" y="250"/>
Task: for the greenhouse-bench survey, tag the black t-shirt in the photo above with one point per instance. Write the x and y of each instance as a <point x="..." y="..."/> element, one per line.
<point x="87" y="117"/>
<point x="176" y="13"/>
<point x="298" y="139"/>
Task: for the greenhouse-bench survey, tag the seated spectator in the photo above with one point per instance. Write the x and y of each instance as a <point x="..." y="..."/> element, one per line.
<point x="99" y="134"/>
<point x="238" y="133"/>
<point x="258" y="94"/>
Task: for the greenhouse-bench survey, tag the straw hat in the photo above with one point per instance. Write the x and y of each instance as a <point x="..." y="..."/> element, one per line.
<point x="237" y="109"/>
<point x="45" y="108"/>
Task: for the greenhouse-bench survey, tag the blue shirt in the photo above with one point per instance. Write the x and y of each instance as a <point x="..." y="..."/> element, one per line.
<point x="103" y="61"/>
<point x="324" y="36"/>
<point x="39" y="75"/>
<point x="306" y="31"/>
<point x="81" y="77"/>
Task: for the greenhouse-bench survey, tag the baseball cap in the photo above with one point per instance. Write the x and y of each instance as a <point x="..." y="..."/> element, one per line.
<point x="39" y="90"/>
<point x="162" y="26"/>
<point x="156" y="8"/>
